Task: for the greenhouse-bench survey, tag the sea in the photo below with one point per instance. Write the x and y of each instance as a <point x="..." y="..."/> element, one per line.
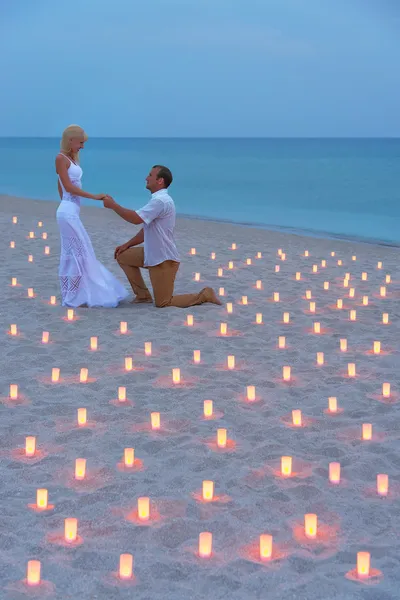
<point x="345" y="188"/>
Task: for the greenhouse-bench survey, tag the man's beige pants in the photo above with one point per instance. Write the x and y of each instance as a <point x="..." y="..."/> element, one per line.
<point x="162" y="279"/>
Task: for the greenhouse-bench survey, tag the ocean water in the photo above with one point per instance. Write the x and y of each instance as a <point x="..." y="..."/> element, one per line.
<point x="339" y="187"/>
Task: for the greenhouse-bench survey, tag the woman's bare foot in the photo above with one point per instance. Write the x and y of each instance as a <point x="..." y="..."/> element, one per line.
<point x="142" y="300"/>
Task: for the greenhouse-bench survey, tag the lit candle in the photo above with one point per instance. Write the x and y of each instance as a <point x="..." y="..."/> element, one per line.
<point x="13" y="329"/>
<point x="125" y="566"/>
<point x="259" y="284"/>
<point x="388" y="279"/>
<point x="326" y="285"/>
<point x="47" y="249"/>
<point x="12" y="244"/>
<point x="340" y="262"/>
<point x="208" y="491"/>
<point x="155" y="421"/>
<point x="123" y="327"/>
<point x="320" y="358"/>
<point x="323" y="263"/>
<point x="377" y="347"/>
<point x="251" y="393"/>
<point x="332" y="404"/>
<point x="44" y="235"/>
<point x="31" y="234"/>
<point x="83" y="377"/>
<point x="197" y="276"/>
<point x="55" y="374"/>
<point x="30" y="446"/>
<point x="13" y="391"/>
<point x="296" y="417"/>
<point x="365" y="300"/>
<point x="317" y="327"/>
<point x="277" y="268"/>
<point x="40" y="224"/>
<point x="42" y="499"/>
<point x="70" y="314"/>
<point x="343" y="345"/>
<point x="386" y="390"/>
<point x="233" y="247"/>
<point x="212" y="255"/>
<point x="193" y="251"/>
<point x="259" y="318"/>
<point x="353" y="315"/>
<point x="223" y="328"/>
<point x="205" y="544"/>
<point x="221" y="438"/>
<point x="265" y="546"/>
<point x="310" y="526"/>
<point x="332" y="253"/>
<point x="364" y="276"/>
<point x="298" y="276"/>
<point x="351" y="292"/>
<point x="82" y="415"/>
<point x="279" y="251"/>
<point x="208" y="408"/>
<point x="30" y="258"/>
<point x="196" y="356"/>
<point x="30" y="293"/>
<point x="366" y="431"/>
<point x="220" y="272"/>
<point x="286" y="466"/>
<point x="312" y="307"/>
<point x="93" y="343"/>
<point x="339" y="303"/>
<point x="259" y="255"/>
<point x="379" y="265"/>
<point x="286" y="373"/>
<point x="382" y="291"/>
<point x="53" y="300"/>
<point x="315" y="268"/>
<point x="382" y="484"/>
<point x="351" y="370"/>
<point x="189" y="320"/>
<point x="306" y="253"/>
<point x="286" y="317"/>
<point x="230" y="264"/>
<point x="221" y="291"/>
<point x="248" y="261"/>
<point x="45" y="337"/>
<point x="385" y="318"/>
<point x="33" y="572"/>
<point x="80" y="468"/>
<point x="15" y="220"/>
<point x="276" y="296"/>
<point x="14" y="281"/>
<point x="229" y="307"/>
<point x="122" y="393"/>
<point x="147" y="348"/>
<point x="143" y="505"/>
<point x="345" y="283"/>
<point x="70" y="530"/>
<point x="176" y="375"/>
<point x="308" y="295"/>
<point x="363" y="564"/>
<point x="281" y="342"/>
<point x="231" y="362"/>
<point x="129" y="457"/>
<point x="354" y="257"/>
<point x="244" y="300"/>
<point x="128" y="363"/>
<point x="334" y="472"/>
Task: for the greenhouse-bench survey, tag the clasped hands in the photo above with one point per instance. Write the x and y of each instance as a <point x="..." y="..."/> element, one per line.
<point x="108" y="201"/>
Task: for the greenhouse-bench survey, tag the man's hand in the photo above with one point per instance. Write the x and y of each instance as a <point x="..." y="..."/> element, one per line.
<point x="109" y="202"/>
<point x="120" y="249"/>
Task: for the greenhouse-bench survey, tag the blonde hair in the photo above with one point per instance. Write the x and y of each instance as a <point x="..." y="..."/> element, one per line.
<point x="72" y="131"/>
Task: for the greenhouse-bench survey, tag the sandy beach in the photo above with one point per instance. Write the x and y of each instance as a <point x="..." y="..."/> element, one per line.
<point x="251" y="496"/>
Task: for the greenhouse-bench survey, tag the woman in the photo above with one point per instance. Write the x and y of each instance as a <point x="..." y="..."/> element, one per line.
<point x="83" y="279"/>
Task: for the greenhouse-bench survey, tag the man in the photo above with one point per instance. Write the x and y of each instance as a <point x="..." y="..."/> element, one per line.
<point x="159" y="254"/>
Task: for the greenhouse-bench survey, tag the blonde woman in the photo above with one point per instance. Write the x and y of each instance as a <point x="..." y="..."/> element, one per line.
<point x="84" y="280"/>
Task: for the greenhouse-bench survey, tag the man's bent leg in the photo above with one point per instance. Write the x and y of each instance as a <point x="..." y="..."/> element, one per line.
<point x="130" y="262"/>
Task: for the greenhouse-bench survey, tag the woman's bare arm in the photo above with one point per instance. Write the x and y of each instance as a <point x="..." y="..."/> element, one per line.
<point x="59" y="189"/>
<point x="62" y="171"/>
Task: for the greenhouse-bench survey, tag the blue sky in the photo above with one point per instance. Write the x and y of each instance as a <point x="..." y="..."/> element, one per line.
<point x="200" y="67"/>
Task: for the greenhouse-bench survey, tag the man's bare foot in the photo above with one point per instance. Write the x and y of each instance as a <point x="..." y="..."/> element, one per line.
<point x="142" y="301"/>
<point x="210" y="296"/>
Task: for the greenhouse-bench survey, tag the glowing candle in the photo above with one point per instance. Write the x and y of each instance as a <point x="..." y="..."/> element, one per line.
<point x="386" y="390"/>
<point x="248" y="261"/>
<point x="176" y="375"/>
<point x="122" y="393"/>
<point x="259" y="284"/>
<point x="323" y="263"/>
<point x="315" y="268"/>
<point x="326" y="285"/>
<point x="55" y="374"/>
<point x="279" y="251"/>
<point x="70" y="314"/>
<point x="388" y="279"/>
<point x="382" y="291"/>
<point x="251" y="393"/>
<point x="30" y="446"/>
<point x="208" y="408"/>
<point x="343" y="345"/>
<point x="286" y="317"/>
<point x="351" y="370"/>
<point x="364" y="276"/>
<point x="93" y="343"/>
<point x="332" y="404"/>
<point x="12" y="244"/>
<point x="45" y="337"/>
<point x="354" y="257"/>
<point x="53" y="300"/>
<point x="345" y="283"/>
<point x="385" y="318"/>
<point x="83" y="377"/>
<point x="13" y="329"/>
<point x="286" y="466"/>
<point x="30" y="258"/>
<point x="277" y="268"/>
<point x="233" y="247"/>
<point x="147" y="348"/>
<point x="129" y="457"/>
<point x="14" y="391"/>
<point x="221" y="438"/>
<point x="297" y="418"/>
<point x="208" y="491"/>
<point x="320" y="358"/>
<point x="30" y="293"/>
<point x="286" y="373"/>
<point x="40" y="224"/>
<point x="377" y="347"/>
<point x="47" y="249"/>
<point x="193" y="251"/>
<point x="205" y="544"/>
<point x="363" y="564"/>
<point x="351" y="292"/>
<point x="340" y="262"/>
<point x="223" y="328"/>
<point x="196" y="356"/>
<point x="317" y="327"/>
<point x="276" y="296"/>
<point x="259" y="318"/>
<point x="231" y="362"/>
<point x="82" y="414"/>
<point x="128" y="363"/>
<point x="281" y="342"/>
<point x="332" y="253"/>
<point x="244" y="300"/>
<point x="379" y="265"/>
<point x="70" y="530"/>
<point x="212" y="255"/>
<point x="189" y="320"/>
<point x="259" y="255"/>
<point x="220" y="272"/>
<point x="44" y="235"/>
<point x="306" y="253"/>
<point x="366" y="431"/>
<point x="229" y="307"/>
<point x="382" y="484"/>
<point x="334" y="472"/>
<point x="308" y="294"/>
<point x="265" y="546"/>
<point x="339" y="303"/>
<point x="197" y="276"/>
<point x="347" y="276"/>
<point x="15" y="220"/>
<point x="31" y="234"/>
<point x="310" y="526"/>
<point x="312" y="307"/>
<point x="123" y="327"/>
<point x="221" y="291"/>
<point x="365" y="300"/>
<point x="80" y="469"/>
<point x="230" y="265"/>
<point x="42" y="499"/>
<point x="33" y="572"/>
<point x="143" y="505"/>
<point x="155" y="421"/>
<point x="298" y="276"/>
<point x="125" y="566"/>
<point x="353" y="315"/>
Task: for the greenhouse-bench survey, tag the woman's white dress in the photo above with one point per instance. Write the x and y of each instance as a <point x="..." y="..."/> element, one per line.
<point x="83" y="279"/>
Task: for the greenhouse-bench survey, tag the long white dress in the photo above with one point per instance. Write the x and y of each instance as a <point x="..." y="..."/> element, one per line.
<point x="83" y="279"/>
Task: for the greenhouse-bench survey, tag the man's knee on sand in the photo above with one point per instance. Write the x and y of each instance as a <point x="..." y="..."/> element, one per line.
<point x="162" y="303"/>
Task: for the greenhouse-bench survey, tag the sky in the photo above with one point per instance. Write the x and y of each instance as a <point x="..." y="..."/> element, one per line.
<point x="194" y="68"/>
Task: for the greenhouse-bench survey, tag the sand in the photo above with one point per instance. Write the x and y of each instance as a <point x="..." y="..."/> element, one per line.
<point x="251" y="497"/>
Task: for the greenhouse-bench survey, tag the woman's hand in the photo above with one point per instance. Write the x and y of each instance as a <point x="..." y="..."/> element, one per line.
<point x="99" y="196"/>
<point x="120" y="249"/>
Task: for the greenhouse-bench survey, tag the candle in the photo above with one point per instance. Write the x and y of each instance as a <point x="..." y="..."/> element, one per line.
<point x="13" y="329"/>
<point x="53" y="300"/>
<point x="70" y="314"/>
<point x="286" y="466"/>
<point x="265" y="546"/>
<point x="176" y="375"/>
<point x="279" y="251"/>
<point x="212" y="255"/>
<point x="363" y="564"/>
<point x="55" y="374"/>
<point x="15" y="220"/>
<point x="147" y="348"/>
<point x="208" y="408"/>
<point x="296" y="417"/>
<point x="47" y="249"/>
<point x="351" y="370"/>
<point x="129" y="457"/>
<point x="221" y="438"/>
<point x="377" y="347"/>
<point x="347" y="276"/>
<point x="30" y="258"/>
<point x="320" y="358"/>
<point x="229" y="308"/>
<point x="42" y="499"/>
<point x="382" y="291"/>
<point x="332" y="253"/>
<point x="197" y="276"/>
<point x="83" y="377"/>
<point x="345" y="283"/>
<point x="70" y="530"/>
<point x="379" y="265"/>
<point x="82" y="415"/>
<point x="259" y="284"/>
<point x="13" y="391"/>
<point x="231" y="362"/>
<point x="44" y="235"/>
<point x="30" y="446"/>
<point x="332" y="404"/>
<point x="334" y="472"/>
<point x="155" y="421"/>
<point x="315" y="268"/>
<point x="230" y="264"/>
<point x="364" y="276"/>
<point x="310" y="526"/>
<point x="382" y="484"/>
<point x="386" y="390"/>
<point x="193" y="251"/>
<point x="366" y="431"/>
<point x="248" y="261"/>
<point x="208" y="491"/>
<point x="31" y="234"/>
<point x="121" y="393"/>
<point x="317" y="327"/>
<point x="286" y="373"/>
<point x="221" y="291"/>
<point x="354" y="257"/>
<point x="277" y="268"/>
<point x="259" y="318"/>
<point x="388" y="279"/>
<point x="339" y="303"/>
<point x="196" y="356"/>
<point x="12" y="244"/>
<point x="220" y="272"/>
<point x="143" y="505"/>
<point x="385" y="318"/>
<point x="45" y="337"/>
<point x="326" y="285"/>
<point x="340" y="262"/>
<point x="123" y="327"/>
<point x="128" y="363"/>
<point x="40" y="224"/>
<point x="343" y="345"/>
<point x="33" y="572"/>
<point x="244" y="300"/>
<point x="323" y="263"/>
<point x="30" y="293"/>
<point x="251" y="393"/>
<point x="13" y="281"/>
<point x="189" y="320"/>
<point x="80" y="469"/>
<point x="365" y="300"/>
<point x="125" y="566"/>
<point x="223" y="328"/>
<point x="233" y="247"/>
<point x="351" y="292"/>
<point x="312" y="307"/>
<point x="306" y="253"/>
<point x="286" y="317"/>
<point x="281" y="342"/>
<point x="308" y="295"/>
<point x="93" y="343"/>
<point x="353" y="315"/>
<point x="205" y="544"/>
<point x="298" y="276"/>
<point x="276" y="296"/>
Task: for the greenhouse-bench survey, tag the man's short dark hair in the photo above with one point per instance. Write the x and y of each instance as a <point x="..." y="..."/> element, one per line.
<point x="164" y="173"/>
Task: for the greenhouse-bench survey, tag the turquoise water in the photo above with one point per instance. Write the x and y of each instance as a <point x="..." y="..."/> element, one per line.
<point x="344" y="187"/>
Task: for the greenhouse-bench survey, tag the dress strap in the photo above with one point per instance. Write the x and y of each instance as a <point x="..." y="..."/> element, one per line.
<point x="70" y="159"/>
